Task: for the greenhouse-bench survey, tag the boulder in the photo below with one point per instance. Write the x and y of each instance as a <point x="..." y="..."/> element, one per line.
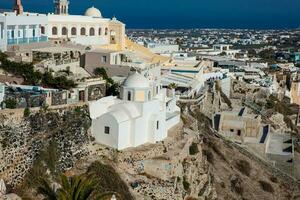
<point x="2" y="188"/>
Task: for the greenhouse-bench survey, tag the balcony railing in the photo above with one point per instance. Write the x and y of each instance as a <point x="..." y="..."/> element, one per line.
<point x="27" y="40"/>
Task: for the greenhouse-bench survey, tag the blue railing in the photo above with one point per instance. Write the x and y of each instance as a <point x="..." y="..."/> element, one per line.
<point x="27" y="40"/>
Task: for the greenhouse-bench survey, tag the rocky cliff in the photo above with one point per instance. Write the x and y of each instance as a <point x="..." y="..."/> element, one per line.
<point x="22" y="139"/>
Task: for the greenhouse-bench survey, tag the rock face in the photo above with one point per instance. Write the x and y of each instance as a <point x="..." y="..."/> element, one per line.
<point x="21" y="140"/>
<point x="2" y="188"/>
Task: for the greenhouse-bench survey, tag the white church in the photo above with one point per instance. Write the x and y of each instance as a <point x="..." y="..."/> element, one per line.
<point x="143" y="113"/>
<point x="88" y="29"/>
<point x="91" y="29"/>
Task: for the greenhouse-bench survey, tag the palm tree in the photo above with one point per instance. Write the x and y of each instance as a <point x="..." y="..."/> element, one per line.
<point x="73" y="188"/>
<point x="47" y="191"/>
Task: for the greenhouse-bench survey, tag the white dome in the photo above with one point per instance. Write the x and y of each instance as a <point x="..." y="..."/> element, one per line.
<point x="93" y="12"/>
<point x="136" y="80"/>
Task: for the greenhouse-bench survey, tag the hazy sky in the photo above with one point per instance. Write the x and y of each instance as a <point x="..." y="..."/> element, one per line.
<point x="185" y="13"/>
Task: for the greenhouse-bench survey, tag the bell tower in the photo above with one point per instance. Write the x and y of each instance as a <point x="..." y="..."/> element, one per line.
<point x="61" y="7"/>
<point x="18" y="8"/>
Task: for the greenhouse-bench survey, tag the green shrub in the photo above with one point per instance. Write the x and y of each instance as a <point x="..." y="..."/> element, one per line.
<point x="193" y="150"/>
<point x="112" y="88"/>
<point x="274" y="179"/>
<point x="26" y="112"/>
<point x="10" y="103"/>
<point x="209" y="155"/>
<point x="108" y="180"/>
<point x="33" y="77"/>
<point x="267" y="187"/>
<point x="186" y="184"/>
<point x="236" y="185"/>
<point x="244" y="167"/>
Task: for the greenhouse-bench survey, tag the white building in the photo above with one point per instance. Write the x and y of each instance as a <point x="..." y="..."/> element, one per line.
<point x="20" y="27"/>
<point x="161" y="48"/>
<point x="2" y="93"/>
<point x="143" y="114"/>
<point x="88" y="29"/>
<point x="23" y="28"/>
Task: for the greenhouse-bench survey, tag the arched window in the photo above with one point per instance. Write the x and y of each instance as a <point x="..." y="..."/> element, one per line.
<point x="129" y="96"/>
<point x="106" y="31"/>
<point x="82" y="31"/>
<point x="92" y="31"/>
<point x="99" y="31"/>
<point x="54" y="30"/>
<point x="43" y="30"/>
<point x="73" y="31"/>
<point x="64" y="31"/>
<point x="149" y="95"/>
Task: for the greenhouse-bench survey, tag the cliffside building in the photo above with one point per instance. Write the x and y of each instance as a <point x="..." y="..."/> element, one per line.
<point x="143" y="114"/>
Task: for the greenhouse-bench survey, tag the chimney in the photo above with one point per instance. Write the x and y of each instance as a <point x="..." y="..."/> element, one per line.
<point x="18" y="8"/>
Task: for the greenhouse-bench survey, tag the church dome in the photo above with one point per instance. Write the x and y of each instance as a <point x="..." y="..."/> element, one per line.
<point x="93" y="12"/>
<point x="136" y="80"/>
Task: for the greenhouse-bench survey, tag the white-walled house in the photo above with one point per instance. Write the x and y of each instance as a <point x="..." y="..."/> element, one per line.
<point x="143" y="114"/>
<point x="24" y="28"/>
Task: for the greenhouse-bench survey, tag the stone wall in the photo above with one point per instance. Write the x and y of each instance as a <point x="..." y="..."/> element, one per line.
<point x="21" y="140"/>
<point x="27" y="100"/>
<point x="59" y="98"/>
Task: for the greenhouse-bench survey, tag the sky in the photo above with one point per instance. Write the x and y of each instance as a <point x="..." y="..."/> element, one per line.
<point x="257" y="14"/>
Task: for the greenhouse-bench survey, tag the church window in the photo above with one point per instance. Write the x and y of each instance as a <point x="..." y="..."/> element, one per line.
<point x="73" y="31"/>
<point x="106" y="129"/>
<point x="231" y="130"/>
<point x="92" y="31"/>
<point x="99" y="31"/>
<point x="149" y="95"/>
<point x="64" y="31"/>
<point x="157" y="125"/>
<point x="106" y="31"/>
<point x="82" y="31"/>
<point x="33" y="33"/>
<point x="54" y="30"/>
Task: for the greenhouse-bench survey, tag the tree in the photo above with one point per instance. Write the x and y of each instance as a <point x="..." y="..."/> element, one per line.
<point x="110" y="181"/>
<point x="112" y="88"/>
<point x="10" y="103"/>
<point x="26" y="112"/>
<point x="267" y="54"/>
<point x="102" y="72"/>
<point x="223" y="53"/>
<point x="172" y="86"/>
<point x="75" y="188"/>
<point x="251" y="53"/>
<point x="47" y="191"/>
<point x="72" y="188"/>
<point x="33" y="77"/>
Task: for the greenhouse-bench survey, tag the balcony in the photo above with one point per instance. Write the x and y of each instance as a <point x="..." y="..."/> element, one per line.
<point x="27" y="40"/>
